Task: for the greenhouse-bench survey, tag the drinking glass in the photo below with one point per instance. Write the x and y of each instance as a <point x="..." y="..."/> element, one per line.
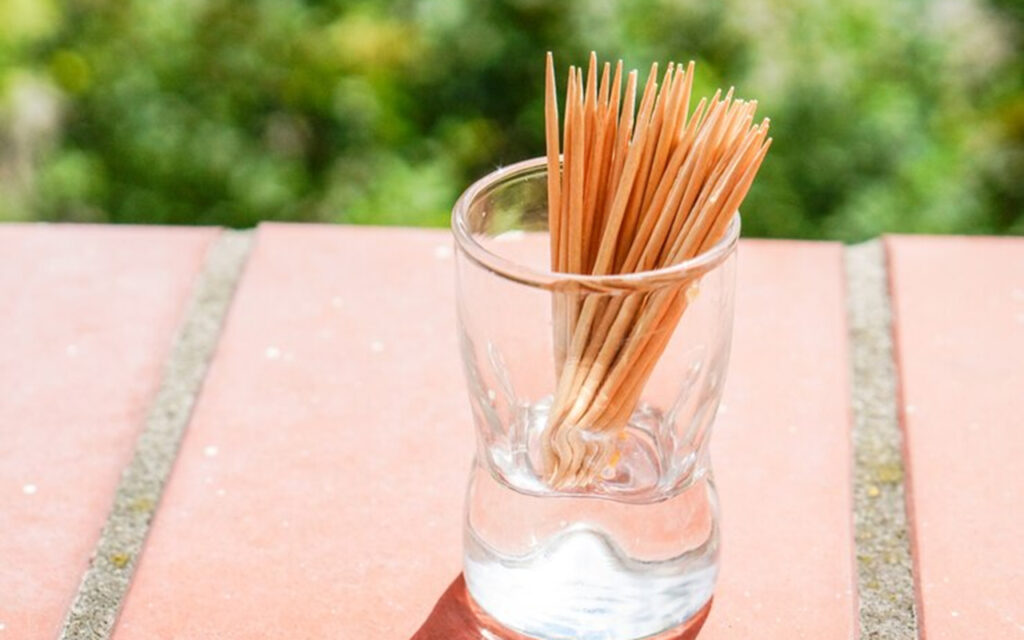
<point x="630" y="550"/>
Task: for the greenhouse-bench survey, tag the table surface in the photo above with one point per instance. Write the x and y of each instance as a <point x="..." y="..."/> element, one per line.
<point x="265" y="434"/>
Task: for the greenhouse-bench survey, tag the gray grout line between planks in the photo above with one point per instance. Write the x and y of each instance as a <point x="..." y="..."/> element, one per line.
<point x="884" y="574"/>
<point x="101" y="594"/>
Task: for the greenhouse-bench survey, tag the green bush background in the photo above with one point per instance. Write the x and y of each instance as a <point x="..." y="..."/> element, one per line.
<point x="887" y="115"/>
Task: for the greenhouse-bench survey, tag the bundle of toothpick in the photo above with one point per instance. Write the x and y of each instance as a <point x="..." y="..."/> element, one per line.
<point x="633" y="191"/>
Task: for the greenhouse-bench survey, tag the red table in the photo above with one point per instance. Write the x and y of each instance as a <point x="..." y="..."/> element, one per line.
<point x="318" y="487"/>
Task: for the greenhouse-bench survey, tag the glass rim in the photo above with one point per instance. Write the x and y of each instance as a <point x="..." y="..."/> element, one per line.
<point x="547" y="279"/>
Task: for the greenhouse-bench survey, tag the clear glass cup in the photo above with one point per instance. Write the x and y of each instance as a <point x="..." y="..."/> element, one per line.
<point x="631" y="551"/>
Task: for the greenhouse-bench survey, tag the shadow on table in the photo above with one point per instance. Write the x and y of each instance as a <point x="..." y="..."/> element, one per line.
<point x="456" y="617"/>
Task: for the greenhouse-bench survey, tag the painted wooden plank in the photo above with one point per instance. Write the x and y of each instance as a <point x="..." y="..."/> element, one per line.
<point x="959" y="324"/>
<point x="319" y="489"/>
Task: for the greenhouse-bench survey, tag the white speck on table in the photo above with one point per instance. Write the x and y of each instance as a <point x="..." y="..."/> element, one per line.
<point x="272" y="353"/>
<point x="29" y="489"/>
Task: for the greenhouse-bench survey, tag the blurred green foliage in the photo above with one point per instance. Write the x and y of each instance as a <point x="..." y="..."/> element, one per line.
<point x="887" y="115"/>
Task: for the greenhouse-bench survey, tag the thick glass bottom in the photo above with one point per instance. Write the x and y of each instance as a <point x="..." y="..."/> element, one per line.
<point x="586" y="568"/>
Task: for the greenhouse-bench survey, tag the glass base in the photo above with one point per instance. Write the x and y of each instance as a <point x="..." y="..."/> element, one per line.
<point x="457" y="617"/>
<point x="586" y="568"/>
<point x="486" y="627"/>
